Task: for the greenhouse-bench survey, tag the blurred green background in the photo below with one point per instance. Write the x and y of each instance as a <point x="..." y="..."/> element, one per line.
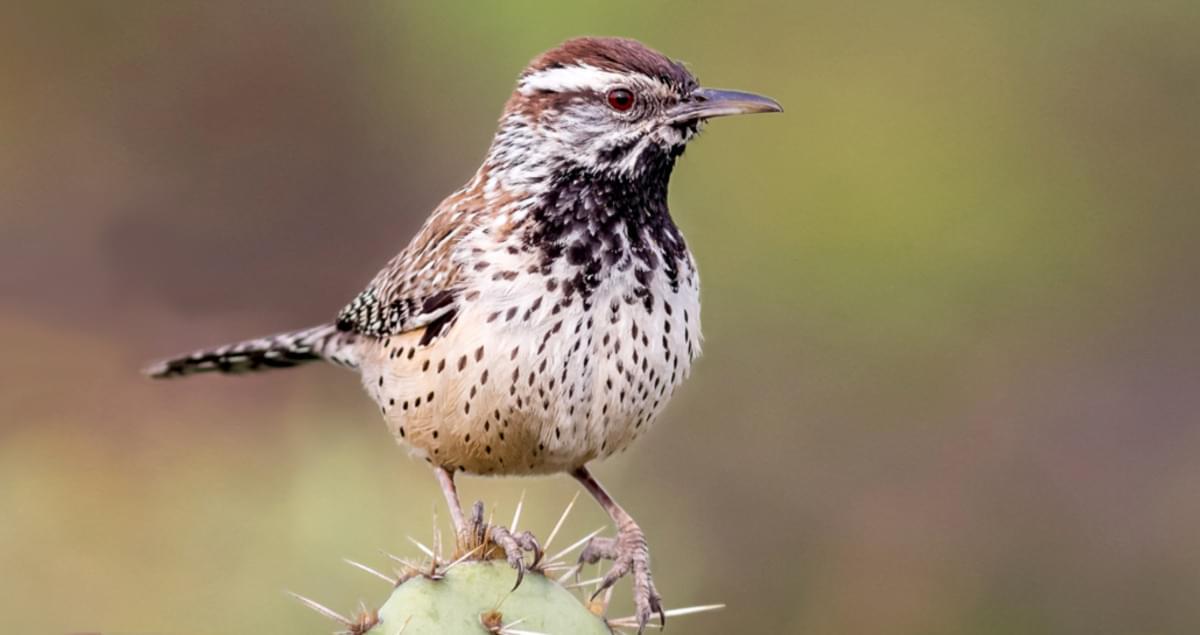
<point x="951" y="374"/>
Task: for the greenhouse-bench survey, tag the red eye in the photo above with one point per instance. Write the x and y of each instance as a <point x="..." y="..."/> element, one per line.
<point x="620" y="99"/>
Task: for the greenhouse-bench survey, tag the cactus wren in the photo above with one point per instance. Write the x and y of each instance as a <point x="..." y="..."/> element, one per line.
<point x="545" y="313"/>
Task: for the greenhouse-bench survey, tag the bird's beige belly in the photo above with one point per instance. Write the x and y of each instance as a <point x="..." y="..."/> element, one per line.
<point x="531" y="392"/>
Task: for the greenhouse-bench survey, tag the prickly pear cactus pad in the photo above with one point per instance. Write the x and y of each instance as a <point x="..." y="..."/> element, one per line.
<point x="478" y="597"/>
<point x="472" y="592"/>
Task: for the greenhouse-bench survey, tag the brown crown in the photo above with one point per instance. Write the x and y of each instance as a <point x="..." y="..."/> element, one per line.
<point x="616" y="54"/>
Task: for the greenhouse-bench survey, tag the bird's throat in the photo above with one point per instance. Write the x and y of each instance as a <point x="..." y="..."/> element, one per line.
<point x="601" y="222"/>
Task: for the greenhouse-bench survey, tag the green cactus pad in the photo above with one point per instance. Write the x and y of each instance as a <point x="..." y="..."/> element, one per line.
<point x="473" y="592"/>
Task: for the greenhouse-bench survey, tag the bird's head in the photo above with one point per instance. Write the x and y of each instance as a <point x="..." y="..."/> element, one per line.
<point x="608" y="106"/>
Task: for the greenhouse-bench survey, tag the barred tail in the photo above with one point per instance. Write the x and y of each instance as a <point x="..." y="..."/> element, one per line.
<point x="282" y="350"/>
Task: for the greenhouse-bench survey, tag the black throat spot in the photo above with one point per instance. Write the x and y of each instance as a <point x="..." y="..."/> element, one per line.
<point x="601" y="220"/>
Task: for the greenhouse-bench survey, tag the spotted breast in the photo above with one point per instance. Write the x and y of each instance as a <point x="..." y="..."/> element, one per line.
<point x="571" y="338"/>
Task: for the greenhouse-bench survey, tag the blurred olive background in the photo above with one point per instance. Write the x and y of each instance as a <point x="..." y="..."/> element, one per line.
<point x="951" y="373"/>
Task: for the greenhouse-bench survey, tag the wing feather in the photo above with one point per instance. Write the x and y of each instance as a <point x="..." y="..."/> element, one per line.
<point x="420" y="287"/>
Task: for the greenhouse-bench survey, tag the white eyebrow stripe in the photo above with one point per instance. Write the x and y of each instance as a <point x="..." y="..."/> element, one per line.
<point x="571" y="78"/>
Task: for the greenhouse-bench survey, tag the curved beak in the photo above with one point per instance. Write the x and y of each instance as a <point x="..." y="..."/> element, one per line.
<point x="705" y="103"/>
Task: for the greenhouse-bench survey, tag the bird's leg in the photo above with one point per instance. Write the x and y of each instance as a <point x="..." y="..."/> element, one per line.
<point x="446" y="481"/>
<point x="628" y="551"/>
<point x="479" y="532"/>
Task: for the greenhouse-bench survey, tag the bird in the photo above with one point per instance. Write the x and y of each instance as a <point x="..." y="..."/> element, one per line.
<point x="545" y="313"/>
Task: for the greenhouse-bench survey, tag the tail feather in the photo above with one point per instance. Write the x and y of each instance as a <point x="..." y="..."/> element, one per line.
<point x="282" y="350"/>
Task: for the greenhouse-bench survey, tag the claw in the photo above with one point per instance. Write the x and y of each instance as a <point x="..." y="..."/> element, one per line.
<point x="629" y="554"/>
<point x="515" y="546"/>
<point x="537" y="553"/>
<point x="520" y="567"/>
<point x="656" y="606"/>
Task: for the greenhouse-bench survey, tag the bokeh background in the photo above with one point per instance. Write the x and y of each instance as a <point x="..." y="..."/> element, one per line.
<point x="952" y="370"/>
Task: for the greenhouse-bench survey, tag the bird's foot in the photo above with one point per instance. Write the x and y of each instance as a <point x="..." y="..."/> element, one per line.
<point x="488" y="538"/>
<point x="629" y="554"/>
